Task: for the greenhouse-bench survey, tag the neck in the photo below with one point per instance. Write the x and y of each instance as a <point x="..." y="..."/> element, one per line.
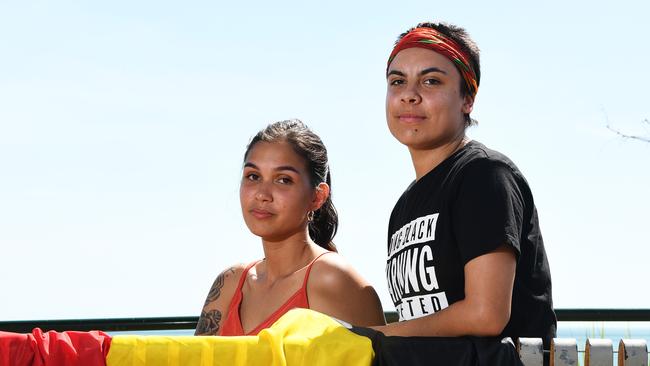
<point x="285" y="257"/>
<point x="425" y="160"/>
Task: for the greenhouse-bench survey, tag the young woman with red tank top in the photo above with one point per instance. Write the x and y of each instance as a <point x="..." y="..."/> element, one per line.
<point x="286" y="201"/>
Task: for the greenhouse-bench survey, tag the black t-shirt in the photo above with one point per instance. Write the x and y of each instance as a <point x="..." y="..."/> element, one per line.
<point x="469" y="205"/>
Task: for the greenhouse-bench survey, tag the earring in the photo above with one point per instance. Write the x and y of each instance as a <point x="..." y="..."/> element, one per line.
<point x="310" y="216"/>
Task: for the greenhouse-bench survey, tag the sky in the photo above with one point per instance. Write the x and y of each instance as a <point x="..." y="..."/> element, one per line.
<point x="123" y="126"/>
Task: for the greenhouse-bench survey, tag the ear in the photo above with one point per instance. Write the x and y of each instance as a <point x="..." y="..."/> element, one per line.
<point x="321" y="193"/>
<point x="468" y="104"/>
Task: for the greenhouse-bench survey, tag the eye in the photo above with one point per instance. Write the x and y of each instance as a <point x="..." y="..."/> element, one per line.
<point x="252" y="177"/>
<point x="396" y="82"/>
<point x="284" y="180"/>
<point x="431" y="81"/>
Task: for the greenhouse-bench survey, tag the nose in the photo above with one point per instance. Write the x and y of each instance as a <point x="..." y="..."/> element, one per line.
<point x="262" y="193"/>
<point x="410" y="95"/>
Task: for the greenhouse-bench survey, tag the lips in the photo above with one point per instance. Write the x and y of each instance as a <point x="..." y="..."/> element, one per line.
<point x="260" y="213"/>
<point x="410" y="118"/>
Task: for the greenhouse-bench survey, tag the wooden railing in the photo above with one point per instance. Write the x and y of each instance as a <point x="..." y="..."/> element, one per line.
<point x="598" y="352"/>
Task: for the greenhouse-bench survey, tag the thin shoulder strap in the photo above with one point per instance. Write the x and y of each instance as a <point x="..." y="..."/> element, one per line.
<point x="242" y="278"/>
<point x="304" y="282"/>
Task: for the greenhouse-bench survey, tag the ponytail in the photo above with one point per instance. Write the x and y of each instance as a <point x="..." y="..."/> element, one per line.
<point x="323" y="227"/>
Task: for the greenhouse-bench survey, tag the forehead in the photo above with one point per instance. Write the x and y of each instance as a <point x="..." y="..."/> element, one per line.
<point x="275" y="154"/>
<point x="416" y="59"/>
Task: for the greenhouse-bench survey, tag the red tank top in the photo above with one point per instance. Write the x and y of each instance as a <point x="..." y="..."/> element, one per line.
<point x="232" y="325"/>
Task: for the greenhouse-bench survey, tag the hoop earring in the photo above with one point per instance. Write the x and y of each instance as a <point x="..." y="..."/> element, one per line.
<point x="310" y="216"/>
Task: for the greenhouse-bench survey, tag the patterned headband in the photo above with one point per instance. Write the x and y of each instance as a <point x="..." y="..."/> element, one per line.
<point x="429" y="38"/>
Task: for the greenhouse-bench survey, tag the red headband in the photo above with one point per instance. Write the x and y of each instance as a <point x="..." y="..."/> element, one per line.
<point x="431" y="39"/>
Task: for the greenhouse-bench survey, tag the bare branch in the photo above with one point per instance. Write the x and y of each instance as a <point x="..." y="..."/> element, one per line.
<point x="633" y="137"/>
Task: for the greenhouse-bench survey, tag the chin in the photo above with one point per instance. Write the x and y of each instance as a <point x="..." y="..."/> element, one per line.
<point x="258" y="230"/>
<point x="273" y="237"/>
<point x="403" y="135"/>
<point x="413" y="139"/>
<point x="418" y="140"/>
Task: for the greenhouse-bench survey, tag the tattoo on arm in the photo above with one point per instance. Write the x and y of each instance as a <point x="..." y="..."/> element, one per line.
<point x="215" y="290"/>
<point x="209" y="320"/>
<point x="208" y="323"/>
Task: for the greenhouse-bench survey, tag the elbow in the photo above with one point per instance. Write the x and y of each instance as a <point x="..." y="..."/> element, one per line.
<point x="491" y="321"/>
<point x="492" y="329"/>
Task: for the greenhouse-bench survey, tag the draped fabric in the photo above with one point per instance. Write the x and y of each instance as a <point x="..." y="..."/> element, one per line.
<point x="54" y="348"/>
<point x="300" y="337"/>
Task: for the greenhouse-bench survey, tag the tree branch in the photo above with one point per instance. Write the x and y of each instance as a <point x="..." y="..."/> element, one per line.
<point x="633" y="137"/>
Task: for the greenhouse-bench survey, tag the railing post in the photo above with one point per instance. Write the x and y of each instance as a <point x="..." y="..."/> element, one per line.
<point x="531" y="351"/>
<point x="632" y="352"/>
<point x="564" y="352"/>
<point x="599" y="352"/>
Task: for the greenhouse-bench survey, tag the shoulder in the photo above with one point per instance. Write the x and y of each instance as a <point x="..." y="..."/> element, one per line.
<point x="225" y="284"/>
<point x="477" y="159"/>
<point x="336" y="289"/>
<point x="332" y="273"/>
<point x="483" y="170"/>
<point x="231" y="274"/>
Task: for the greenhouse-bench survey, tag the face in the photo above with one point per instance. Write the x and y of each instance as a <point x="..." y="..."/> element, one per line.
<point x="424" y="104"/>
<point x="275" y="193"/>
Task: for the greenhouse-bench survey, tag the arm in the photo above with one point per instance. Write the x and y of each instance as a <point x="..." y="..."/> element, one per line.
<point x="216" y="303"/>
<point x="484" y="311"/>
<point x="336" y="289"/>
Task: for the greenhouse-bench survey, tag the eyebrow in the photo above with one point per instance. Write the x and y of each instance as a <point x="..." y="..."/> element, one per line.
<point x="423" y="72"/>
<point x="280" y="168"/>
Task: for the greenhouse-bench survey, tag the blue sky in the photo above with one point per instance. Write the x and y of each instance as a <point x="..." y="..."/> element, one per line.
<point x="122" y="129"/>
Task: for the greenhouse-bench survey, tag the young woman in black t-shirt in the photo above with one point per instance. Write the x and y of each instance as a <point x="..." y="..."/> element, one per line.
<point x="465" y="254"/>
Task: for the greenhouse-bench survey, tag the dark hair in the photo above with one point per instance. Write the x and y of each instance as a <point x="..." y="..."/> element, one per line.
<point x="460" y="36"/>
<point x="310" y="147"/>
